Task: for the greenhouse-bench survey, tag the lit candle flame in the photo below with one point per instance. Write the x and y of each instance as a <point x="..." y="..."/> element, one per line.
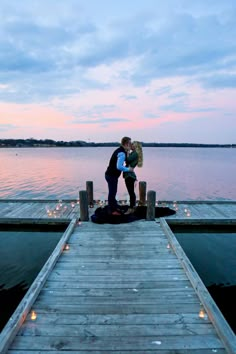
<point x="202" y="313"/>
<point x="33" y="316"/>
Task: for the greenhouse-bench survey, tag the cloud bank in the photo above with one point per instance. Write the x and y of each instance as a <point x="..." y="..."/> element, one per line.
<point x="119" y="67"/>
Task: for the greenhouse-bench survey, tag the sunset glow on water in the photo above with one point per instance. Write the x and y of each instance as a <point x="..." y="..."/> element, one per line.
<point x="174" y="173"/>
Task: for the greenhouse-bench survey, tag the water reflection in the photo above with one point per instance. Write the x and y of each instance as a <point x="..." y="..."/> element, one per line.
<point x="9" y="300"/>
<point x="212" y="251"/>
<point x="22" y="255"/>
<point x="224" y="297"/>
<point x="174" y="173"/>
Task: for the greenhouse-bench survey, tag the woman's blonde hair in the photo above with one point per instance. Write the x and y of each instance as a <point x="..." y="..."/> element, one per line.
<point x="139" y="150"/>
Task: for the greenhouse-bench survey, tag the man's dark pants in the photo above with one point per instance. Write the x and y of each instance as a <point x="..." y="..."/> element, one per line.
<point x="112" y="182"/>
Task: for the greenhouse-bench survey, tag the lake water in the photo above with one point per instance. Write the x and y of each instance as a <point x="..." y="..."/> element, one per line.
<point x="23" y="253"/>
<point x="174" y="173"/>
<point x="211" y="250"/>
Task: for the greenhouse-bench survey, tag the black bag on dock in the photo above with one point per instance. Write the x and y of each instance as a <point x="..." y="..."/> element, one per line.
<point x="102" y="215"/>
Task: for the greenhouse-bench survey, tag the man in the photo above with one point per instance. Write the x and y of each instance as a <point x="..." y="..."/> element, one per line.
<point x="113" y="172"/>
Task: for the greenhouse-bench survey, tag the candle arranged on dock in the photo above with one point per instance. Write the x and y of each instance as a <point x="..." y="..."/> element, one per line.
<point x="33" y="316"/>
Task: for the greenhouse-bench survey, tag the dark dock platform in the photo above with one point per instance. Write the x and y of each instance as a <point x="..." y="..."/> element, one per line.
<point x="126" y="288"/>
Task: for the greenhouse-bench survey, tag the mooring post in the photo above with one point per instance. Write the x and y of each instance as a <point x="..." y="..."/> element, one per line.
<point x="142" y="192"/>
<point x="89" y="188"/>
<point x="151" y="205"/>
<point x="84" y="213"/>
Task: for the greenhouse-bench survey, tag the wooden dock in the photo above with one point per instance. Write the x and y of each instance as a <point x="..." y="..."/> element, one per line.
<point x="126" y="288"/>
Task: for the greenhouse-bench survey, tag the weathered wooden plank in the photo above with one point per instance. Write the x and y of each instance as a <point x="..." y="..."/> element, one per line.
<point x="101" y="351"/>
<point x="30" y="221"/>
<point x="5" y="208"/>
<point x="116" y="319"/>
<point x="224" y="210"/>
<point x="145" y="261"/>
<point x="114" y="284"/>
<point x="207" y="210"/>
<point x="165" y="299"/>
<point x="111" y="243"/>
<point x="205" y="222"/>
<point x="59" y="330"/>
<point x="14" y="209"/>
<point x="19" y="210"/>
<point x="90" y="342"/>
<point x="117" y="308"/>
<point x="108" y="278"/>
<point x="132" y="238"/>
<point x="130" y="258"/>
<point x="193" y="212"/>
<point x="121" y="252"/>
<point x="124" y="273"/>
<point x="165" y="263"/>
<point x="118" y="293"/>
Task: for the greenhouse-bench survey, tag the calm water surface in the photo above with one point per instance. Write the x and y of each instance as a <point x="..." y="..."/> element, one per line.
<point x="212" y="252"/>
<point x="174" y="173"/>
<point x="22" y="255"/>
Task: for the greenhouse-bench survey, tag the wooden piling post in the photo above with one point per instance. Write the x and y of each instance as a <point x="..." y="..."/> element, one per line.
<point x="151" y="205"/>
<point x="89" y="188"/>
<point x="142" y="192"/>
<point x="84" y="213"/>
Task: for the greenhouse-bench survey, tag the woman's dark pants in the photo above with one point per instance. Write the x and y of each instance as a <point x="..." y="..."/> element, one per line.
<point x="129" y="181"/>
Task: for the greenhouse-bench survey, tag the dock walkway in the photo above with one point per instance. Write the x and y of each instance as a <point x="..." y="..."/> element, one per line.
<point x="119" y="289"/>
<point x="68" y="209"/>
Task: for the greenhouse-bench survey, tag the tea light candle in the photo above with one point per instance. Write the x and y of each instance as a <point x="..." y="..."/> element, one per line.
<point x="202" y="313"/>
<point x="33" y="316"/>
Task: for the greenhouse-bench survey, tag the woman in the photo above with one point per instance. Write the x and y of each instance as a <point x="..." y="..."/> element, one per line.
<point x="135" y="158"/>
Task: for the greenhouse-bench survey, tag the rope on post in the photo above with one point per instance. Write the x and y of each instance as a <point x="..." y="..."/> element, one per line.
<point x="89" y="188"/>
<point x="84" y="213"/>
<point x="151" y="205"/>
<point x="142" y="192"/>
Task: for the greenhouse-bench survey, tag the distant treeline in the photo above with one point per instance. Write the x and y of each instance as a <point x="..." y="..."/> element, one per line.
<point x="79" y="143"/>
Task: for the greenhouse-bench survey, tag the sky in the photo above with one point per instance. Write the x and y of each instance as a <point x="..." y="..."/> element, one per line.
<point x="154" y="70"/>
